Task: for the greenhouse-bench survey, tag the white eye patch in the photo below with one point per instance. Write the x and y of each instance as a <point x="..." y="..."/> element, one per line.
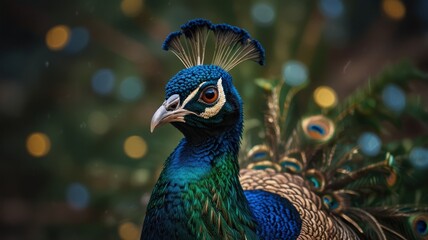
<point x="213" y="110"/>
<point x="191" y="95"/>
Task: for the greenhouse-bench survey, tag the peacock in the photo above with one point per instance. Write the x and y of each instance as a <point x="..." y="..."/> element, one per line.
<point x="312" y="178"/>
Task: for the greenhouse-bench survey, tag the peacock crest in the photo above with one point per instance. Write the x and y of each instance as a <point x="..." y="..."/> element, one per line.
<point x="232" y="45"/>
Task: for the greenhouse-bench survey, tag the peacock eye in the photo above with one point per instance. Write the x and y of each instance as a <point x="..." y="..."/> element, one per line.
<point x="209" y="95"/>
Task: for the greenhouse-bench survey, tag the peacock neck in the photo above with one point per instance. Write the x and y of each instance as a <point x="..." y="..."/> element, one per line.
<point x="200" y="187"/>
<point x="196" y="159"/>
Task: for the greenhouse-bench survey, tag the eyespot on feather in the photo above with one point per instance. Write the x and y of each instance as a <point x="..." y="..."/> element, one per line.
<point x="317" y="128"/>
<point x="330" y="202"/>
<point x="419" y="225"/>
<point x="259" y="152"/>
<point x="316" y="179"/>
<point x="335" y="202"/>
<point x="291" y="164"/>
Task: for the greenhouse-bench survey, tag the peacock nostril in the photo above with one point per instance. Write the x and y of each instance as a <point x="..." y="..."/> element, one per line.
<point x="172" y="106"/>
<point x="172" y="103"/>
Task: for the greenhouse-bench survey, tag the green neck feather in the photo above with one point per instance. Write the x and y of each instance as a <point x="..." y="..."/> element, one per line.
<point x="216" y="205"/>
<point x="199" y="191"/>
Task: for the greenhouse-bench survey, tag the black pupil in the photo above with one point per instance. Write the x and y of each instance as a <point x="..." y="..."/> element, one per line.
<point x="209" y="93"/>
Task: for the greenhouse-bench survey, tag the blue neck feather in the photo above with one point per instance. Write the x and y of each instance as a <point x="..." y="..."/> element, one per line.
<point x="196" y="155"/>
<point x="193" y="159"/>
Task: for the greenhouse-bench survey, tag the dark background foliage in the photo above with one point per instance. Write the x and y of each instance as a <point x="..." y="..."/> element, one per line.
<point x="89" y="95"/>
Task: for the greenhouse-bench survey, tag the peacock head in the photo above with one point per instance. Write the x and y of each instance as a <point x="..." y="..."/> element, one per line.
<point x="201" y="99"/>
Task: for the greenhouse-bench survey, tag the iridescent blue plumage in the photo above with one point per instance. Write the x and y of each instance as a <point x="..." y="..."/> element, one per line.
<point x="187" y="80"/>
<point x="276" y="216"/>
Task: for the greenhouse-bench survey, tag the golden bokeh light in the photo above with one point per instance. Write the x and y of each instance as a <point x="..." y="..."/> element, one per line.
<point x="394" y="9"/>
<point x="38" y="144"/>
<point x="325" y="97"/>
<point x="57" y="37"/>
<point x="129" y="231"/>
<point x="135" y="147"/>
<point x="131" y="8"/>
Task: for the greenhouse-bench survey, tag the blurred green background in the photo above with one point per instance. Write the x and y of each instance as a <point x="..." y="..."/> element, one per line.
<point x="80" y="80"/>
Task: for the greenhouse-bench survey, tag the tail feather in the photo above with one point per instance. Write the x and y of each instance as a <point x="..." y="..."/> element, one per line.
<point x="347" y="175"/>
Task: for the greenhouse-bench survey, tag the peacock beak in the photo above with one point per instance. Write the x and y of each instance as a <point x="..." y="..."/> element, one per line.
<point x="169" y="111"/>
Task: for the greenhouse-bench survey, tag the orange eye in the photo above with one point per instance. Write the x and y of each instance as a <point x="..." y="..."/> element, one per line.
<point x="209" y="95"/>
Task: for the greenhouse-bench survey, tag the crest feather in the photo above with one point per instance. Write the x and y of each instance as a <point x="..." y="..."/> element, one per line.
<point x="233" y="45"/>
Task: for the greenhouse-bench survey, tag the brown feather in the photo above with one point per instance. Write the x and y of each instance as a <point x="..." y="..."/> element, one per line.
<point x="316" y="222"/>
